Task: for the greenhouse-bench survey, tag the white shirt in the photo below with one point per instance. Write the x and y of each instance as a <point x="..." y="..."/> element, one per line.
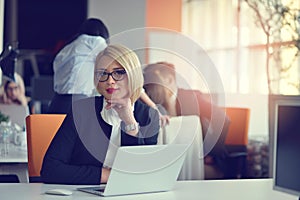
<point x="111" y="117"/>
<point x="74" y="65"/>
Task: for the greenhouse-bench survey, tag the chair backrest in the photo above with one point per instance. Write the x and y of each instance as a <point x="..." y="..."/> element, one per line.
<point x="40" y="129"/>
<point x="186" y="130"/>
<point x="239" y="125"/>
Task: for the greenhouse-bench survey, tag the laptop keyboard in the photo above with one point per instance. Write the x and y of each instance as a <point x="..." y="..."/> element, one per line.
<point x="100" y="189"/>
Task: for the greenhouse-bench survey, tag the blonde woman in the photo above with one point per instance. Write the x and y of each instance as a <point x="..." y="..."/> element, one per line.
<point x="84" y="147"/>
<point x="13" y="92"/>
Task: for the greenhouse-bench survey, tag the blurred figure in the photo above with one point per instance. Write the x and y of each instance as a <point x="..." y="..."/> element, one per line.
<point x="13" y="92"/>
<point x="161" y="87"/>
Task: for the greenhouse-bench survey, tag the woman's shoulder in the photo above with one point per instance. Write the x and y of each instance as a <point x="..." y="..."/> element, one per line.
<point x="86" y="106"/>
<point x="145" y="114"/>
<point x="94" y="100"/>
<point x="144" y="111"/>
<point x="140" y="105"/>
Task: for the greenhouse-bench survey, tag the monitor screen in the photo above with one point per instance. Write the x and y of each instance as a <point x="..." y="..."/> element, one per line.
<point x="286" y="166"/>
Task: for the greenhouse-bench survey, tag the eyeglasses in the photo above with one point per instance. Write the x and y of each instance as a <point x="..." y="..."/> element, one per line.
<point x="117" y="75"/>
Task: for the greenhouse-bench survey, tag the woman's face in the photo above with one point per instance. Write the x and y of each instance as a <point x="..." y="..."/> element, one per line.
<point x="13" y="91"/>
<point x="115" y="86"/>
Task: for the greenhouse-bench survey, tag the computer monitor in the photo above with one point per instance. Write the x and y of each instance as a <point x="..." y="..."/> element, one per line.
<point x="286" y="146"/>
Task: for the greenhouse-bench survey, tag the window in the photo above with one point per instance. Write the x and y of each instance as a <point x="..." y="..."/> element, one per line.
<point x="229" y="33"/>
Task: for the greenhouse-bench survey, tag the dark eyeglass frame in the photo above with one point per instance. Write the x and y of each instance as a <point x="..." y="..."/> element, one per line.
<point x="113" y="74"/>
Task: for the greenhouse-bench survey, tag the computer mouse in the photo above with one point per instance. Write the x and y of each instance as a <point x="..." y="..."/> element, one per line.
<point x="63" y="192"/>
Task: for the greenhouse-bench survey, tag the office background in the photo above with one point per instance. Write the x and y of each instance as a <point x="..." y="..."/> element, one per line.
<point x="221" y="28"/>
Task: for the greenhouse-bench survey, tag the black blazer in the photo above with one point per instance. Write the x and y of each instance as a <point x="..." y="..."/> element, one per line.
<point x="77" y="152"/>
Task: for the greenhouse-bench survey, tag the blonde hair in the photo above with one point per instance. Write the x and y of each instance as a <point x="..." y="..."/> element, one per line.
<point x="3" y="89"/>
<point x="130" y="62"/>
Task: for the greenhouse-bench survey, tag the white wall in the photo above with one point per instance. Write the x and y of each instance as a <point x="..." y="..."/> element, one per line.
<point x="125" y="21"/>
<point x="118" y="15"/>
<point x="258" y="105"/>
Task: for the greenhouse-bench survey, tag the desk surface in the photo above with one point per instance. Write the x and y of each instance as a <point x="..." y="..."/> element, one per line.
<point x="16" y="154"/>
<point x="15" y="162"/>
<point x="258" y="189"/>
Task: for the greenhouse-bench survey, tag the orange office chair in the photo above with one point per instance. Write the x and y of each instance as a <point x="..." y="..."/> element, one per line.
<point x="239" y="126"/>
<point x="40" y="129"/>
<point x="237" y="140"/>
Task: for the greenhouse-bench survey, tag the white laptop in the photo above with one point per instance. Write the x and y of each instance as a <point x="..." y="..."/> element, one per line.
<point x="16" y="113"/>
<point x="142" y="169"/>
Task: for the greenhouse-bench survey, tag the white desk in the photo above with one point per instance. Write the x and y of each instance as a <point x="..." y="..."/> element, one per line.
<point x="15" y="162"/>
<point x="16" y="154"/>
<point x="252" y="189"/>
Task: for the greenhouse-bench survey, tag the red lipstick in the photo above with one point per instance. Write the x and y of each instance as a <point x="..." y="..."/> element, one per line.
<point x="110" y="90"/>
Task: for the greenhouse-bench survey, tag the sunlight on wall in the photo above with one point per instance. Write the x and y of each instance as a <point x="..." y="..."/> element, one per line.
<point x="237" y="44"/>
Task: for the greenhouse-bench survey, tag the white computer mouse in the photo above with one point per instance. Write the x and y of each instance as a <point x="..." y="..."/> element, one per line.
<point x="63" y="192"/>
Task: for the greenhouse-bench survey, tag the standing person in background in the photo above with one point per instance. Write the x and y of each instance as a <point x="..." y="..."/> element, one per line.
<point x="74" y="65"/>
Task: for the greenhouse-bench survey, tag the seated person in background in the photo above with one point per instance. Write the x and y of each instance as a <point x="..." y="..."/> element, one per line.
<point x="161" y="87"/>
<point x="83" y="150"/>
<point x="13" y="92"/>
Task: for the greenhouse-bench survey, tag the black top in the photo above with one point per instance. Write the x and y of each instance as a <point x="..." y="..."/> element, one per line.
<point x="77" y="152"/>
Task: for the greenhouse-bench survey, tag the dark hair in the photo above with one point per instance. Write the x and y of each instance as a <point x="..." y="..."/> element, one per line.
<point x="7" y="83"/>
<point x="94" y="27"/>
